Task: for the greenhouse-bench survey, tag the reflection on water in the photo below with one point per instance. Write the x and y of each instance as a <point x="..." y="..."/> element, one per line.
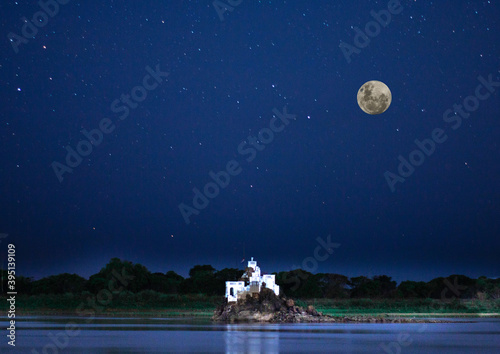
<point x="175" y="335"/>
<point x="242" y="339"/>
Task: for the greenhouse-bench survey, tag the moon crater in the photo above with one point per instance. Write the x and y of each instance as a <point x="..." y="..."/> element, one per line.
<point x="374" y="97"/>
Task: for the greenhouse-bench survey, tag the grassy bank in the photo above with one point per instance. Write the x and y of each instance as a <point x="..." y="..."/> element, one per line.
<point x="151" y="304"/>
<point x="127" y="304"/>
<point x="113" y="312"/>
<point x="406" y="307"/>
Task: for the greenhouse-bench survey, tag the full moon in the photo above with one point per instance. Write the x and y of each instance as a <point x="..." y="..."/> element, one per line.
<point x="374" y="97"/>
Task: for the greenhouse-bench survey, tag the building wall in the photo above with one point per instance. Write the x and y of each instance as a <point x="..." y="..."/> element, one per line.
<point x="237" y="287"/>
<point x="270" y="280"/>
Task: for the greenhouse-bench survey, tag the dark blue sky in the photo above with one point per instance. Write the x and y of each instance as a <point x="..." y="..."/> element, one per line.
<point x="318" y="175"/>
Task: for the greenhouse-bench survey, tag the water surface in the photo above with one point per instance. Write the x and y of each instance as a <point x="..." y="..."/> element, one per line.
<point x="173" y="335"/>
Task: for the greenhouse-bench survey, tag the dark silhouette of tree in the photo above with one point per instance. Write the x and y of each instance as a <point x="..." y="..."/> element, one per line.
<point x="378" y="286"/>
<point x="201" y="271"/>
<point x="174" y="280"/>
<point x="115" y="269"/>
<point x="205" y="279"/>
<point x="413" y="289"/>
<point x="229" y="274"/>
<point x="489" y="288"/>
<point x="333" y="285"/>
<point x="166" y="283"/>
<point x="453" y="286"/>
<point x="298" y="283"/>
<point x="385" y="286"/>
<point x="24" y="285"/>
<point x="201" y="281"/>
<point x="59" y="284"/>
<point x="159" y="283"/>
<point x="360" y="286"/>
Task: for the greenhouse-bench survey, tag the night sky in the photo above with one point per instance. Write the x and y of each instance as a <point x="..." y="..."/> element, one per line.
<point x="172" y="92"/>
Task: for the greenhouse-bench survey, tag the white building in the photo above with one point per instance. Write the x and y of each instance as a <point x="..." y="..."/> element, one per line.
<point x="237" y="289"/>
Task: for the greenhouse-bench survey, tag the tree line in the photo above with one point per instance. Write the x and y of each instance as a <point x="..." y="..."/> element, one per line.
<point x="206" y="280"/>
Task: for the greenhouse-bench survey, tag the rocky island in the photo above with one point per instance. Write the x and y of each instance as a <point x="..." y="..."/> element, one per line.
<point x="266" y="306"/>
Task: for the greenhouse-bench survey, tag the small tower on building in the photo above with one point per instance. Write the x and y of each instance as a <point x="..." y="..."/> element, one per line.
<point x="251" y="283"/>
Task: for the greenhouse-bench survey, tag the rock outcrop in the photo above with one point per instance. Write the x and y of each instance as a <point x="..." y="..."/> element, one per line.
<point x="268" y="307"/>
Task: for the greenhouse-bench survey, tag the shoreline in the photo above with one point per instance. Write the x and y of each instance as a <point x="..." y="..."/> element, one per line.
<point x="129" y="313"/>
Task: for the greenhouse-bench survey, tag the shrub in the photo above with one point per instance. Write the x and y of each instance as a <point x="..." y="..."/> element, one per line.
<point x="126" y="298"/>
